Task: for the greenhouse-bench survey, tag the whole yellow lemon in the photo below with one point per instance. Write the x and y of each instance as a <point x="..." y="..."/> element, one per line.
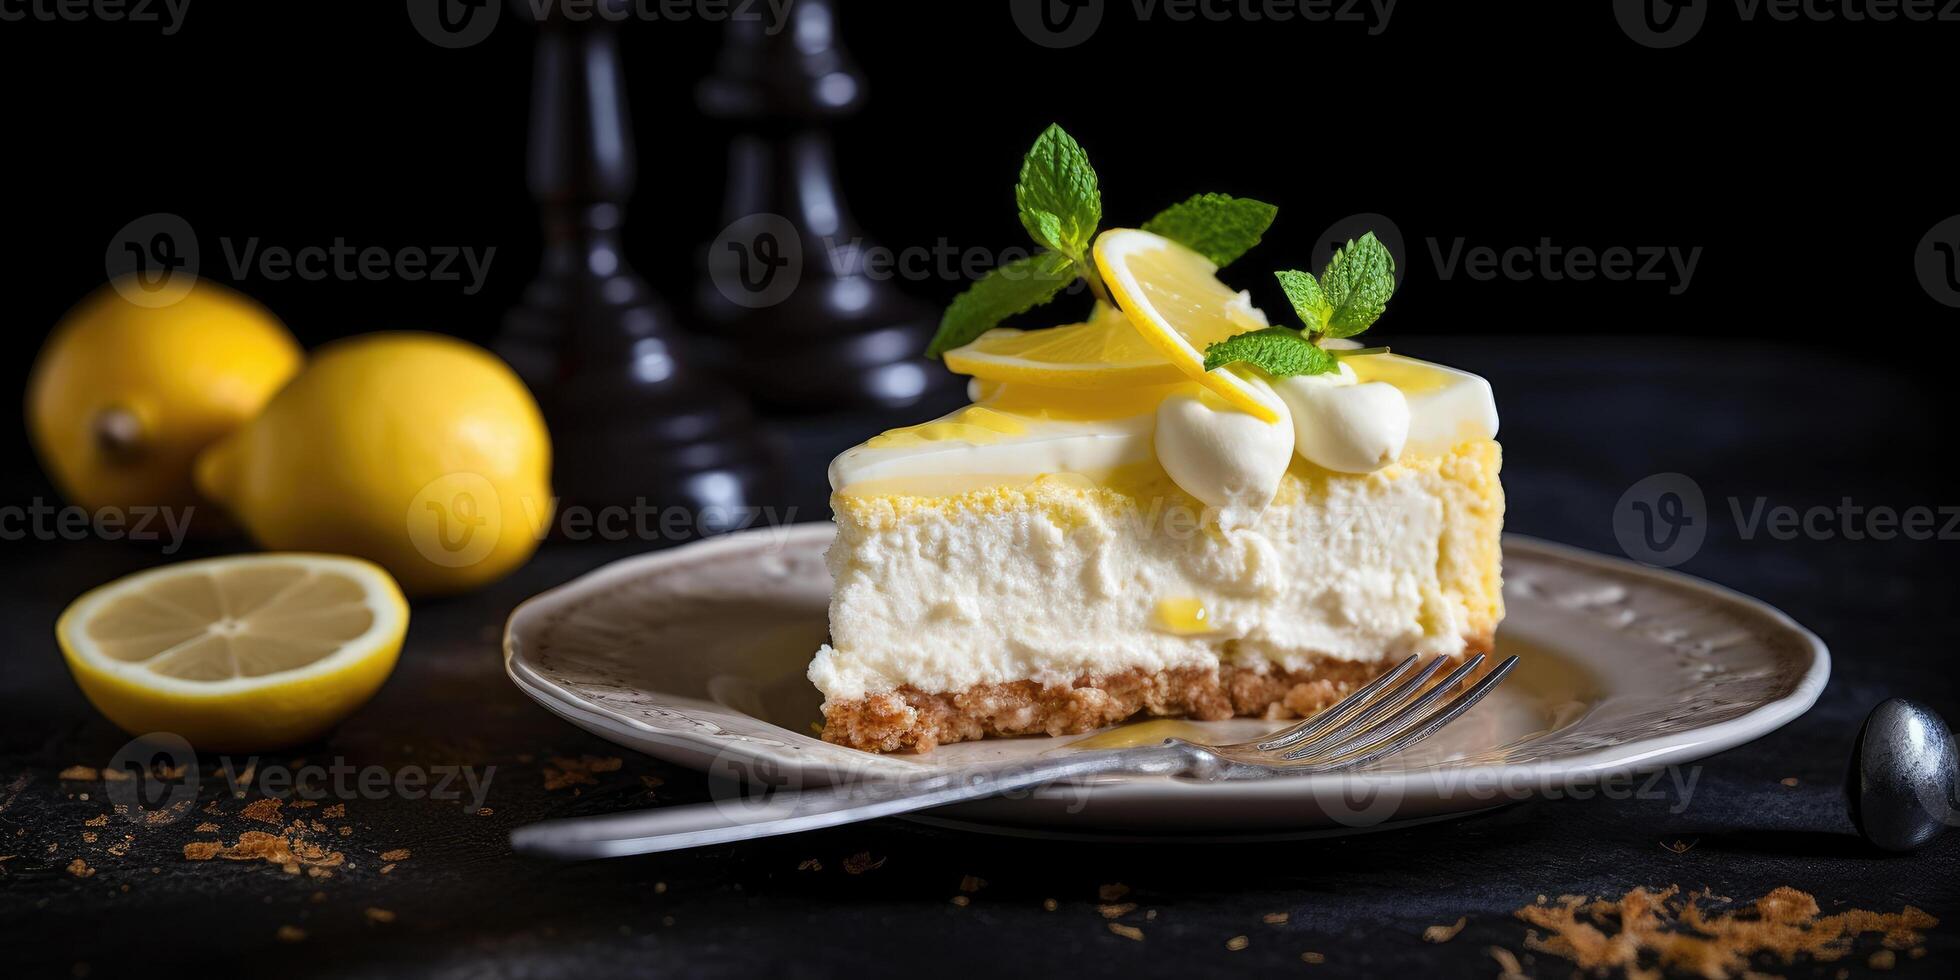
<point x="123" y="397"/>
<point x="421" y="453"/>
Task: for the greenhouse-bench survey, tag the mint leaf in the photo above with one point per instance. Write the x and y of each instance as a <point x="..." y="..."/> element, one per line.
<point x="1060" y="201"/>
<point x="1279" y="351"/>
<point x="1357" y="282"/>
<point x="1219" y="227"/>
<point x="1013" y="288"/>
<point x="1309" y="302"/>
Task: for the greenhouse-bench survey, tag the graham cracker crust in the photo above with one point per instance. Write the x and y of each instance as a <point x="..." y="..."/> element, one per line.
<point x="910" y="720"/>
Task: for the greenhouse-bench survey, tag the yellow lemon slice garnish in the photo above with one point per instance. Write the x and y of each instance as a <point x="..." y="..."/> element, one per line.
<point x="1176" y="303"/>
<point x="1104" y="352"/>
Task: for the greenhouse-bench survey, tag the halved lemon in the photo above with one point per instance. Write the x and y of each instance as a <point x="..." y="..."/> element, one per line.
<point x="1104" y="352"/>
<point x="238" y="654"/>
<point x="1175" y="301"/>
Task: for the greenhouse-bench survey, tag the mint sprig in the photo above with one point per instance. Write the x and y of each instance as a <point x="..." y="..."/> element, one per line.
<point x="1347" y="299"/>
<point x="1219" y="227"/>
<point x="1060" y="204"/>
<point x="1059" y="197"/>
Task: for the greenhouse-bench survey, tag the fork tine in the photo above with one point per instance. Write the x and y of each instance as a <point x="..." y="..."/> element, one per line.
<point x="1394" y="742"/>
<point x="1402" y="718"/>
<point x="1363" y="719"/>
<point x="1333" y="713"/>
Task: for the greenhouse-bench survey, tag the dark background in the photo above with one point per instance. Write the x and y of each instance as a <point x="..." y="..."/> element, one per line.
<point x="1806" y="159"/>
<point x="1804" y="364"/>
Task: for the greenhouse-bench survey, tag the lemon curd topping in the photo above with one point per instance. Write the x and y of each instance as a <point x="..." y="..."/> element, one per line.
<point x="1014" y="433"/>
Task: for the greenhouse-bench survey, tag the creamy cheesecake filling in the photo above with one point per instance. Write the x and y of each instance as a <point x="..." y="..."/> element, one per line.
<point x="948" y="593"/>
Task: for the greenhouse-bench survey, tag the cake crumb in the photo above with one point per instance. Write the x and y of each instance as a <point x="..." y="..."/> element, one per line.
<point x="1275" y="918"/>
<point x="88" y="836"/>
<point x="660" y="888"/>
<point x="78" y="774"/>
<point x="1883" y="959"/>
<point x="1112" y="892"/>
<point x="1127" y="932"/>
<point x="810" y="864"/>
<point x="396" y="855"/>
<point x="1443" y="934"/>
<point x="1049" y="905"/>
<point x="207" y="827"/>
<point x="1692" y="934"/>
<point x="387" y="869"/>
<point x="862" y="862"/>
<point x="1507" y="962"/>
<point x="972" y="883"/>
<point x="291" y="934"/>
<point x="1789" y="781"/>
<point x="378" y="915"/>
<point x="1237" y="943"/>
<point x="961" y="900"/>
<point x="100" y="820"/>
<point x="1116" y="910"/>
<point x="80" y="869"/>
<point x="335" y="812"/>
<point x="1313" y="957"/>
<point x="264" y="811"/>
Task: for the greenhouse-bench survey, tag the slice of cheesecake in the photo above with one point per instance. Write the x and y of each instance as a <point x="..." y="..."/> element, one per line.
<point x="1029" y="564"/>
<point x="1175" y="507"/>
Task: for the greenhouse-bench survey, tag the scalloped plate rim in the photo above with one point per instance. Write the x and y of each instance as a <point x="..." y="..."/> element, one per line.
<point x="693" y="748"/>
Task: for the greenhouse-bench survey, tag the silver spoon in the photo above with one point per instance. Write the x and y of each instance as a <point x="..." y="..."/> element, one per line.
<point x="1904" y="776"/>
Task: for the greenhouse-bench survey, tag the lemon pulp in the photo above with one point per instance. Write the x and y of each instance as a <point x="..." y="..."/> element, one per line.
<point x="237" y="654"/>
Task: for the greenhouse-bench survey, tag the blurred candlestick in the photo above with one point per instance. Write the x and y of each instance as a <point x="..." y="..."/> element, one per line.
<point x="631" y="419"/>
<point x="799" y="319"/>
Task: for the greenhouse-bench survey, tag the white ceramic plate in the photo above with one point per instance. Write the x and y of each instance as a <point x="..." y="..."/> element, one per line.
<point x="696" y="655"/>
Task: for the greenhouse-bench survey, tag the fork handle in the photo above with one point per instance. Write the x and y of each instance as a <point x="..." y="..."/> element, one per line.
<point x="696" y="825"/>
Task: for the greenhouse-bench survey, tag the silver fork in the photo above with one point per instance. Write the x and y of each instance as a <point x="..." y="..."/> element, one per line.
<point x="1385" y="716"/>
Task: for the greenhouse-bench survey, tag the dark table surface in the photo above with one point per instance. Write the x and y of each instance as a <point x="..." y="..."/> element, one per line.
<point x="1583" y="420"/>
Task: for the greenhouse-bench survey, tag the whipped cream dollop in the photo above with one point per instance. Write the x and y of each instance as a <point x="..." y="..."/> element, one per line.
<point x="1361" y="419"/>
<point x="1344" y="424"/>
<point x="1226" y="458"/>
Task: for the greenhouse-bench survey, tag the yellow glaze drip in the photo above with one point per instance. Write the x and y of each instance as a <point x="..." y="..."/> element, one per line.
<point x="1413" y="377"/>
<point x="1144" y="733"/>
<point x="1009" y="410"/>
<point x="1185" y="617"/>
